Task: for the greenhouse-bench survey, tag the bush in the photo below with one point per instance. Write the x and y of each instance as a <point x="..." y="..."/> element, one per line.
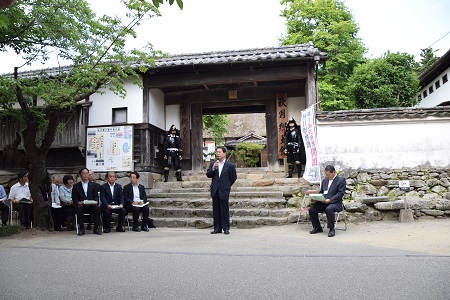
<point x="248" y="154"/>
<point x="9" y="230"/>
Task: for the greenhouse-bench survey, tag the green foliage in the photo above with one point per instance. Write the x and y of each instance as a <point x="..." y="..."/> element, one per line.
<point x="216" y="125"/>
<point x="9" y="230"/>
<point x="388" y="81"/>
<point x="331" y="27"/>
<point x="248" y="153"/>
<point x="428" y="58"/>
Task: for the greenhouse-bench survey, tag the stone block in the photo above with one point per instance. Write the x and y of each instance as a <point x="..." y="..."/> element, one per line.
<point x="443" y="204"/>
<point x="367" y="189"/>
<point x="406" y="216"/>
<point x="433" y="212"/>
<point x="372" y="200"/>
<point x="380" y="182"/>
<point x="394" y="205"/>
<point x="356" y="207"/>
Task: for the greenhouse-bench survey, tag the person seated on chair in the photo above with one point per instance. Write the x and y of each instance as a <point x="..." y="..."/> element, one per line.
<point x="21" y="200"/>
<point x="333" y="189"/>
<point x="4" y="208"/>
<point x="65" y="197"/>
<point x="111" y="195"/>
<point x="86" y="190"/>
<point x="133" y="193"/>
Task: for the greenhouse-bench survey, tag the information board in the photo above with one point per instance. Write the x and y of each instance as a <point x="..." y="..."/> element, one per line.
<point x="109" y="148"/>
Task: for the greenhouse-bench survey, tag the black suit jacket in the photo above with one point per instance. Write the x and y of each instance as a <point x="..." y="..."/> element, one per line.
<point x="336" y="190"/>
<point x="107" y="198"/>
<point x="128" y="194"/>
<point x="223" y="183"/>
<point x="79" y="195"/>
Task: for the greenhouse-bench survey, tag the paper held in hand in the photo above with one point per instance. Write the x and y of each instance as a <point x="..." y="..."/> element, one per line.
<point x="90" y="202"/>
<point x="140" y="204"/>
<point x="317" y="197"/>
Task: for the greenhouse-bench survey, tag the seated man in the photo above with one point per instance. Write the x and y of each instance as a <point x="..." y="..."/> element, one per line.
<point x="133" y="193"/>
<point x="333" y="189"/>
<point x="20" y="197"/>
<point x="4" y="208"/>
<point x="86" y="190"/>
<point x="111" y="195"/>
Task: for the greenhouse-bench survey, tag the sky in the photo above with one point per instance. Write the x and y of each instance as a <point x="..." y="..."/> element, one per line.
<point x="220" y="25"/>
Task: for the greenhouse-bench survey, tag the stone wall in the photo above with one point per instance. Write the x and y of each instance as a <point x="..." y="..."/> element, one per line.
<point x="375" y="194"/>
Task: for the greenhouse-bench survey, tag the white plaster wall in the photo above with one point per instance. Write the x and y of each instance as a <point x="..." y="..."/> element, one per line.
<point x="172" y="116"/>
<point x="156" y="108"/>
<point x="394" y="144"/>
<point x="295" y="107"/>
<point x="439" y="95"/>
<point x="100" y="113"/>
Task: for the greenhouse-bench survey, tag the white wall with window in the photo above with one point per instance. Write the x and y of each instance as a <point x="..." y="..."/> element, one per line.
<point x="436" y="92"/>
<point x="156" y="107"/>
<point x="109" y="108"/>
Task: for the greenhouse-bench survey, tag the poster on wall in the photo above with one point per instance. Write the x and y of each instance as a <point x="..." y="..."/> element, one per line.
<point x="109" y="148"/>
<point x="308" y="127"/>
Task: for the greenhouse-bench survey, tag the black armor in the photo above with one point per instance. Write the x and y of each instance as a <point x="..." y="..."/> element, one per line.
<point x="292" y="144"/>
<point x="172" y="155"/>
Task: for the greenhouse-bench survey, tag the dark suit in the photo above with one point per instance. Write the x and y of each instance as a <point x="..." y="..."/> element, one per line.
<point x="112" y="199"/>
<point x="220" y="193"/>
<point x="128" y="196"/>
<point x="335" y="193"/>
<point x="79" y="195"/>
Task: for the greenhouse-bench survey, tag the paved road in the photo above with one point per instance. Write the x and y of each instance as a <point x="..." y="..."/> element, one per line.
<point x="264" y="263"/>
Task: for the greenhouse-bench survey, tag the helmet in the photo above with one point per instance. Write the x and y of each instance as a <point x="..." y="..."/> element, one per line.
<point x="291" y="120"/>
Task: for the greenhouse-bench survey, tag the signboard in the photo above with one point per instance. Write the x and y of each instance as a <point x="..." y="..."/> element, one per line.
<point x="308" y="127"/>
<point x="282" y="118"/>
<point x="109" y="148"/>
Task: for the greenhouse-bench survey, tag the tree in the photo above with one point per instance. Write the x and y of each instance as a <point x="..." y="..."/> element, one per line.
<point x="94" y="48"/>
<point x="389" y="81"/>
<point x="216" y="125"/>
<point x="331" y="27"/>
<point x="428" y="58"/>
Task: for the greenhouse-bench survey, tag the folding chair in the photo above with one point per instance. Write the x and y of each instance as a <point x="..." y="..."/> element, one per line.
<point x="17" y="215"/>
<point x="337" y="217"/>
<point x="303" y="209"/>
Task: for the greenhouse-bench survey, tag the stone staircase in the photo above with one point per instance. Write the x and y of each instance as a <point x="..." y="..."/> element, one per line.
<point x="257" y="198"/>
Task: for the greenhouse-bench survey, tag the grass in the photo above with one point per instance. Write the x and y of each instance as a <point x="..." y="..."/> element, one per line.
<point x="9" y="230"/>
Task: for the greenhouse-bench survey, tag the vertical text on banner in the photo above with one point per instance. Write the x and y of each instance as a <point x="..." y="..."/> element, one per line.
<point x="309" y="134"/>
<point x="282" y="117"/>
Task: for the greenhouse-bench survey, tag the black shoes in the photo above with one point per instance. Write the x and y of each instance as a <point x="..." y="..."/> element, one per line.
<point x="81" y="232"/>
<point x="145" y="228"/>
<point x="316" y="230"/>
<point x="120" y="229"/>
<point x="97" y="231"/>
<point x="216" y="231"/>
<point x="135" y="228"/>
<point x="331" y="233"/>
<point x="226" y="232"/>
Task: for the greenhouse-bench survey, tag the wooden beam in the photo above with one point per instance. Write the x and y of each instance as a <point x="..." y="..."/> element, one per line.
<point x="238" y="76"/>
<point x="244" y="93"/>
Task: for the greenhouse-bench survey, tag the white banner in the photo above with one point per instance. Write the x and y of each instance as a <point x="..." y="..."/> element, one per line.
<point x="309" y="134"/>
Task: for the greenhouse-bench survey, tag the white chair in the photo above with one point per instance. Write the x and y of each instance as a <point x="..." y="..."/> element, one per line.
<point x="12" y="211"/>
<point x="338" y="216"/>
<point x="303" y="209"/>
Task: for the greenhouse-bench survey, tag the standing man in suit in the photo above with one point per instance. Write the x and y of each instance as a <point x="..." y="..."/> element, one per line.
<point x="111" y="195"/>
<point x="133" y="193"/>
<point x="223" y="174"/>
<point x="86" y="190"/>
<point x="333" y="189"/>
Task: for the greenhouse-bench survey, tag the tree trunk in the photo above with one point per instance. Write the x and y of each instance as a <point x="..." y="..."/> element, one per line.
<point x="37" y="174"/>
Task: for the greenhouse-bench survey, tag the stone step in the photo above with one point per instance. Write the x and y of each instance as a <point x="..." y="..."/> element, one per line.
<point x="239" y="183"/>
<point x="259" y="203"/>
<point x="256" y="194"/>
<point x="170" y="212"/>
<point x="284" y="189"/>
<point x="235" y="222"/>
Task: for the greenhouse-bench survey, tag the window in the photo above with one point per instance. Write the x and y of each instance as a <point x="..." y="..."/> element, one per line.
<point x="425" y="94"/>
<point x="437" y="84"/>
<point x="119" y="115"/>
<point x="419" y="98"/>
<point x="444" y="79"/>
<point x="431" y="90"/>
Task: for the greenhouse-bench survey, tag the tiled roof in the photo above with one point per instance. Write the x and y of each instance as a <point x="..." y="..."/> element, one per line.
<point x="301" y="51"/>
<point x="383" y="114"/>
<point x="291" y="52"/>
